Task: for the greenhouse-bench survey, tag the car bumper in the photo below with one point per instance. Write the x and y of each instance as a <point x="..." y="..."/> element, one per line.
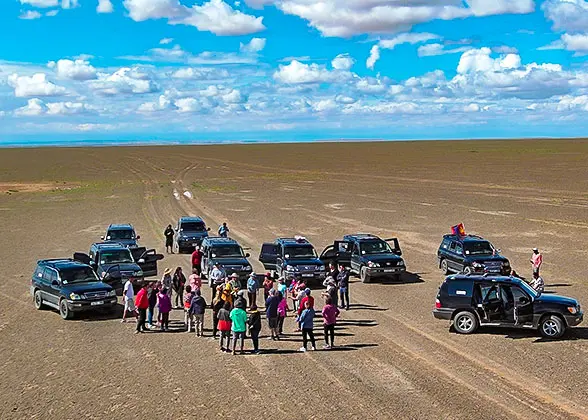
<point x="306" y="276"/>
<point x="385" y="271"/>
<point x="442" y="313"/>
<point x="188" y="243"/>
<point x="573" y="320"/>
<point x="86" y="305"/>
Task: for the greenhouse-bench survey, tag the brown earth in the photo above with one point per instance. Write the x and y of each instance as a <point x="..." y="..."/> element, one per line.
<point x="394" y="359"/>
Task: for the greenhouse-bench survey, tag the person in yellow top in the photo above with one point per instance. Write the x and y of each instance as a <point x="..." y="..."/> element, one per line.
<point x="227" y="293"/>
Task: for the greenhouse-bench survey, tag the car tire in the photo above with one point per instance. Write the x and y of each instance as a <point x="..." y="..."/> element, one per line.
<point x="467" y="270"/>
<point x="64" y="309"/>
<point x="552" y="326"/>
<point x="38" y="300"/>
<point x="444" y="267"/>
<point x="465" y="322"/>
<point x="363" y="275"/>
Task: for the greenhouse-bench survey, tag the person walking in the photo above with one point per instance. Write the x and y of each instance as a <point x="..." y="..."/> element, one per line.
<point x="197" y="260"/>
<point x="224" y="326"/>
<point x="307" y="324"/>
<point x="268" y="284"/>
<point x="197" y="308"/>
<point x="223" y="230"/>
<point x="254" y="323"/>
<point x="152" y="292"/>
<point x="271" y="313"/>
<point x="164" y="304"/>
<point x="330" y="313"/>
<point x="239" y="326"/>
<point x="188" y="317"/>
<point x="178" y="283"/>
<point x="343" y="283"/>
<point x="252" y="287"/>
<point x="142" y="303"/>
<point x="536" y="260"/>
<point x="169" y="239"/>
<point x="129" y="297"/>
<point x="215" y="279"/>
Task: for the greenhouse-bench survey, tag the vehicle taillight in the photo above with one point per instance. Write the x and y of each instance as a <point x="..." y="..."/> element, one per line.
<point x="437" y="304"/>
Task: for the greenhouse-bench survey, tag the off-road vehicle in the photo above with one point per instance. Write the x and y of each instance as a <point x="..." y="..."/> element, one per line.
<point x="123" y="234"/>
<point x="470" y="254"/>
<point x="190" y="231"/>
<point x="228" y="254"/>
<point x="471" y="301"/>
<point x="70" y="286"/>
<point x="367" y="255"/>
<point x="293" y="258"/>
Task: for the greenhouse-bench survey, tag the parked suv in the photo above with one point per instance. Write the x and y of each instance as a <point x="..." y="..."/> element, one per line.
<point x="470" y="254"/>
<point x="115" y="263"/>
<point x="69" y="286"/>
<point x="190" y="232"/>
<point x="228" y="254"/>
<point x="123" y="234"/>
<point x="474" y="300"/>
<point x="293" y="258"/>
<point x="367" y="255"/>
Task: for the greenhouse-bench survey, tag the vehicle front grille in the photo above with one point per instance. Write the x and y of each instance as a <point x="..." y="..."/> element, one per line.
<point x="96" y="295"/>
<point x="127" y="274"/>
<point x="493" y="266"/>
<point x="390" y="264"/>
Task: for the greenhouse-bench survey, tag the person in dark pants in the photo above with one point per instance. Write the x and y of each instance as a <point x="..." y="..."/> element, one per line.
<point x="330" y="314"/>
<point x="333" y="271"/>
<point x="178" y="283"/>
<point x="142" y="304"/>
<point x="254" y="323"/>
<point x="197" y="259"/>
<point x="306" y="320"/>
<point x="169" y="239"/>
<point x="217" y="305"/>
<point x="152" y="292"/>
<point x="252" y="287"/>
<point x="343" y="283"/>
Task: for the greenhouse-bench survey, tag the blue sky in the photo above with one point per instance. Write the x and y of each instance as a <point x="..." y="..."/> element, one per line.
<point x="76" y="71"/>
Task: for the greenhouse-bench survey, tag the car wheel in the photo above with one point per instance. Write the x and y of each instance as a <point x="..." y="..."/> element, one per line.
<point x="64" y="310"/>
<point x="444" y="267"/>
<point x="467" y="270"/>
<point x="363" y="275"/>
<point x="465" y="322"/>
<point x="552" y="327"/>
<point x="38" y="300"/>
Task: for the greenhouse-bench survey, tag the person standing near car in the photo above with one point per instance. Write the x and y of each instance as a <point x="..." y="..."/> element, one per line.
<point x="197" y="260"/>
<point x="152" y="292"/>
<point x="536" y="260"/>
<point x="129" y="297"/>
<point x="252" y="287"/>
<point x="330" y="314"/>
<point x="178" y="283"/>
<point x="169" y="239"/>
<point x="333" y="271"/>
<point x="142" y="304"/>
<point x="538" y="284"/>
<point x="215" y="278"/>
<point x="343" y="283"/>
<point x="223" y="230"/>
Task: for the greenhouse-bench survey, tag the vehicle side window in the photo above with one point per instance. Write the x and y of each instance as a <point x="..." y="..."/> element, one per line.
<point x="452" y="246"/>
<point x="518" y="293"/>
<point x="445" y="244"/>
<point x="47" y="275"/>
<point x="53" y="276"/>
<point x="460" y="288"/>
<point x="458" y="249"/>
<point x="356" y="248"/>
<point x="38" y="275"/>
<point x="489" y="292"/>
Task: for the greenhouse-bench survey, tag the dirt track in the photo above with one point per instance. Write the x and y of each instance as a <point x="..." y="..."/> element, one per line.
<point x="395" y="360"/>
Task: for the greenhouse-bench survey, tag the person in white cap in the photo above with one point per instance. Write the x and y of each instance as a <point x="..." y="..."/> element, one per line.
<point x="536" y="260"/>
<point x="215" y="278"/>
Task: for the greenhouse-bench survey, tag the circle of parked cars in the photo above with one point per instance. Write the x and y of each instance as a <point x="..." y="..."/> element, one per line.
<point x="480" y="293"/>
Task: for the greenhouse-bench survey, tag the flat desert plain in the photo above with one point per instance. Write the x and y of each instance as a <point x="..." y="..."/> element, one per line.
<point x="393" y="359"/>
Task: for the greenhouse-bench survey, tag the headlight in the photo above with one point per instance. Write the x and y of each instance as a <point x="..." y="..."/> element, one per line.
<point x="372" y="264"/>
<point x="75" y="296"/>
<point x="320" y="268"/>
<point x="138" y="273"/>
<point x="247" y="268"/>
<point x="573" y="310"/>
<point x="401" y="263"/>
<point x="476" y="265"/>
<point x="112" y="293"/>
<point x="289" y="268"/>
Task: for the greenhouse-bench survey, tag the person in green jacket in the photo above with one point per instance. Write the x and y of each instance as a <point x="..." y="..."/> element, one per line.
<point x="239" y="326"/>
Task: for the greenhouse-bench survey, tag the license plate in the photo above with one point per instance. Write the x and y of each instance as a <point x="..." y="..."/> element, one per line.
<point x="100" y="302"/>
<point x="389" y="270"/>
<point x="307" y="275"/>
<point x="195" y="244"/>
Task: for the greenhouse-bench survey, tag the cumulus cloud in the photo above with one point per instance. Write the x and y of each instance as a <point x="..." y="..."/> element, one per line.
<point x="567" y="15"/>
<point x="576" y="42"/>
<point x="254" y="46"/>
<point x="166" y="41"/>
<point x="30" y="15"/>
<point x="36" y="85"/>
<point x="140" y="10"/>
<point x="438" y="49"/>
<point x="407" y="38"/>
<point x="75" y="70"/>
<point x="374" y="56"/>
<point x="300" y="73"/>
<point x="41" y="3"/>
<point x="125" y="80"/>
<point x="200" y="73"/>
<point x="104" y="6"/>
<point x="36" y="107"/>
<point x="471" y="108"/>
<point x="343" y="62"/>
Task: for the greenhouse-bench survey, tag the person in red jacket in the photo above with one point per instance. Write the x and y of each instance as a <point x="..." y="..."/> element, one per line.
<point x="306" y="298"/>
<point x="142" y="304"/>
<point x="196" y="260"/>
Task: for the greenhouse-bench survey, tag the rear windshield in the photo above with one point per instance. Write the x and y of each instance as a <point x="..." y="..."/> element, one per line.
<point x="478" y="248"/>
<point x="299" y="252"/>
<point x="120" y="234"/>
<point x="193" y="226"/>
<point x="116" y="256"/>
<point x="77" y="275"/>
<point x="227" y="251"/>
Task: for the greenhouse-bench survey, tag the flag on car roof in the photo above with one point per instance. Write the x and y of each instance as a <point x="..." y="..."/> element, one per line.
<point x="458" y="230"/>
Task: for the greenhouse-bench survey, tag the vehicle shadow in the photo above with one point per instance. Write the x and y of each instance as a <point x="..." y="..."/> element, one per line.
<point x="346" y="347"/>
<point x="558" y="285"/>
<point x="356" y="323"/>
<point x="114" y="313"/>
<point x="571" y="334"/>
<point x="405" y="278"/>
<point x="366" y="307"/>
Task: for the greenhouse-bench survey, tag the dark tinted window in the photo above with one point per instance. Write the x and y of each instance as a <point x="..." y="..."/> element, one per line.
<point x="193" y="226"/>
<point x="478" y="248"/>
<point x="113" y="235"/>
<point x="47" y="275"/>
<point x="227" y="251"/>
<point x="460" y="288"/>
<point x="298" y="251"/>
<point x="52" y="276"/>
<point x="458" y="249"/>
<point x="77" y="275"/>
<point x="445" y="244"/>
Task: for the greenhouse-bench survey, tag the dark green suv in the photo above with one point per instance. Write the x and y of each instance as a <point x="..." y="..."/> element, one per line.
<point x="70" y="286"/>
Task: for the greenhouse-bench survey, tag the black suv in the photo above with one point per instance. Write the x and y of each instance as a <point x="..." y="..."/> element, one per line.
<point x="190" y="232"/>
<point x="367" y="255"/>
<point x="473" y="301"/>
<point x="123" y="234"/>
<point x="228" y="254"/>
<point x="470" y="254"/>
<point x="69" y="286"/>
<point x="293" y="258"/>
<point x="115" y="263"/>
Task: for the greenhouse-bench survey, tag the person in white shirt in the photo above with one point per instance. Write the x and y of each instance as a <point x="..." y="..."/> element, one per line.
<point x="215" y="278"/>
<point x="538" y="283"/>
<point x="129" y="300"/>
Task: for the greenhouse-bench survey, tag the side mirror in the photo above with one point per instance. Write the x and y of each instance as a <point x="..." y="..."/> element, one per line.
<point x="54" y="283"/>
<point x="247" y="255"/>
<point x="102" y="237"/>
<point x="523" y="300"/>
<point x="138" y="237"/>
<point x="208" y="229"/>
<point x="141" y="261"/>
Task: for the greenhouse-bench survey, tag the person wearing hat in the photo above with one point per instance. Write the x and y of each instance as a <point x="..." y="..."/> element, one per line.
<point x="167" y="280"/>
<point x="215" y="278"/>
<point x="235" y="283"/>
<point x="268" y="284"/>
<point x="331" y="291"/>
<point x="252" y="287"/>
<point x="536" y="261"/>
<point x="240" y="301"/>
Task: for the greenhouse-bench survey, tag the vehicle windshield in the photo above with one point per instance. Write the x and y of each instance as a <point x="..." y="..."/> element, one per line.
<point x="528" y="289"/>
<point x="114" y="235"/>
<point x="375" y="247"/>
<point x="193" y="226"/>
<point x="77" y="275"/>
<point x="227" y="251"/>
<point x="116" y="256"/>
<point x="478" y="248"/>
<point x="293" y="252"/>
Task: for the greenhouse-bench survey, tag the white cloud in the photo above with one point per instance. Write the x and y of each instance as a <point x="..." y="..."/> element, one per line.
<point x="34" y="107"/>
<point x="500" y="7"/>
<point x="299" y="73"/>
<point x="104" y="6"/>
<point x="576" y="42"/>
<point x="233" y="97"/>
<point x="36" y="85"/>
<point x="218" y="17"/>
<point x="166" y="41"/>
<point x="200" y="73"/>
<point x="374" y="56"/>
<point x="140" y="10"/>
<point x="407" y="38"/>
<point x="30" y="15"/>
<point x="343" y="62"/>
<point x="69" y="4"/>
<point x="52" y="13"/>
<point x="371" y="85"/>
<point x="125" y="80"/>
<point x="471" y="108"/>
<point x="324" y="105"/>
<point x="439" y="49"/>
<point x="254" y="46"/>
<point x="163" y="102"/>
<point x="41" y="3"/>
<point x="567" y="15"/>
<point x="479" y="60"/>
<point x="76" y="70"/>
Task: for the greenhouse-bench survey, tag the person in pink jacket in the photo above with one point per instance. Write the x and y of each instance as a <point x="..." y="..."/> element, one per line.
<point x="330" y="314"/>
<point x="165" y="305"/>
<point x="282" y="310"/>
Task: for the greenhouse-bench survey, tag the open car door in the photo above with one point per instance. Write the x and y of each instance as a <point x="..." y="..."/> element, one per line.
<point x="339" y="253"/>
<point x="148" y="262"/>
<point x="395" y="245"/>
<point x="269" y="256"/>
<point x="492" y="303"/>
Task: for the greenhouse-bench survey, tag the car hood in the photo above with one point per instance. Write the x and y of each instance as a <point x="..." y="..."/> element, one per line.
<point x="95" y="286"/>
<point x="190" y="235"/>
<point x="381" y="257"/>
<point x="128" y="242"/>
<point x="122" y="267"/>
<point x="486" y="258"/>
<point x="230" y="261"/>
<point x="309" y="261"/>
<point x="556" y="299"/>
